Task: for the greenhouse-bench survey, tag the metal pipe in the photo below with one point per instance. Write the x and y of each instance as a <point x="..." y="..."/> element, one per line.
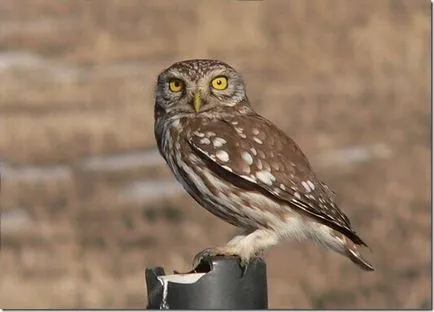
<point x="216" y="283"/>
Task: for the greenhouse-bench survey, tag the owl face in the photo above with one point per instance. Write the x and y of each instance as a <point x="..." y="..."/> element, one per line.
<point x="197" y="86"/>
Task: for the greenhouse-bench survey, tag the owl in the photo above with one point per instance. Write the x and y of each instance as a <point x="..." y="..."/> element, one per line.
<point x="241" y="167"/>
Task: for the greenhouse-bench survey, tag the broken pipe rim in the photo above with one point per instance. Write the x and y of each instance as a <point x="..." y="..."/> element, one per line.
<point x="216" y="283"/>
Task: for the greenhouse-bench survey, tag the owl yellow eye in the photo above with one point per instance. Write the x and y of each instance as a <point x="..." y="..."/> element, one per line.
<point x="176" y="85"/>
<point x="220" y="83"/>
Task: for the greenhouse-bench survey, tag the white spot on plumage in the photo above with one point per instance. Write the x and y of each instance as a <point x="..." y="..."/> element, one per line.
<point x="205" y="141"/>
<point x="199" y="134"/>
<point x="257" y="140"/>
<point x="210" y="134"/>
<point x="176" y="123"/>
<point x="275" y="166"/>
<point x="311" y="185"/>
<point x="259" y="164"/>
<point x="266" y="176"/>
<point x="253" y="150"/>
<point x="222" y="155"/>
<point x="247" y="157"/>
<point x="240" y="132"/>
<point x="306" y="186"/>
<point x="255" y="131"/>
<point x="297" y="195"/>
<point x="234" y="122"/>
<point x="246" y="170"/>
<point x="218" y="142"/>
<point x="282" y="187"/>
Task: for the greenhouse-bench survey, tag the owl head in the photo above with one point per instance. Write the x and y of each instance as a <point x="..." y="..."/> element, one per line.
<point x="199" y="86"/>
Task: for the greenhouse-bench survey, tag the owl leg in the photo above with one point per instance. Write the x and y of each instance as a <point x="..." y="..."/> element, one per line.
<point x="243" y="246"/>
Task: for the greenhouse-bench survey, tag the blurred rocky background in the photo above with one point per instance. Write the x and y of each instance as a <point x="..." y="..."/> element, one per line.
<point x="87" y="203"/>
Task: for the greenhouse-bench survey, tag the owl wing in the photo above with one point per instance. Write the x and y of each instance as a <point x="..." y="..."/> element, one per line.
<point x="251" y="152"/>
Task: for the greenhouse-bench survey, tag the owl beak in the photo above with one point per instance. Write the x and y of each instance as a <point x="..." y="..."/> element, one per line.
<point x="197" y="103"/>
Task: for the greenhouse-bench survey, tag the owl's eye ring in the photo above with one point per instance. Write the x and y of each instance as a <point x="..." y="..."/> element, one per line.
<point x="176" y="85"/>
<point x="220" y="83"/>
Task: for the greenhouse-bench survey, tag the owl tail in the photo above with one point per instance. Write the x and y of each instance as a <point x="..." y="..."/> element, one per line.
<point x="352" y="252"/>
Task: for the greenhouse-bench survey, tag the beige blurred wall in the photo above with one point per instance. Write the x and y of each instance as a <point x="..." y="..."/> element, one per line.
<point x="87" y="203"/>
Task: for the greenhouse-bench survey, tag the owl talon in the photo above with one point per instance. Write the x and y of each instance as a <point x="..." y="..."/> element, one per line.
<point x="212" y="252"/>
<point x="206" y="253"/>
<point x="244" y="264"/>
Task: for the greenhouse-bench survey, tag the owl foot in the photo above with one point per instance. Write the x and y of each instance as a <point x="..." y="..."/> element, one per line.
<point x="219" y="251"/>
